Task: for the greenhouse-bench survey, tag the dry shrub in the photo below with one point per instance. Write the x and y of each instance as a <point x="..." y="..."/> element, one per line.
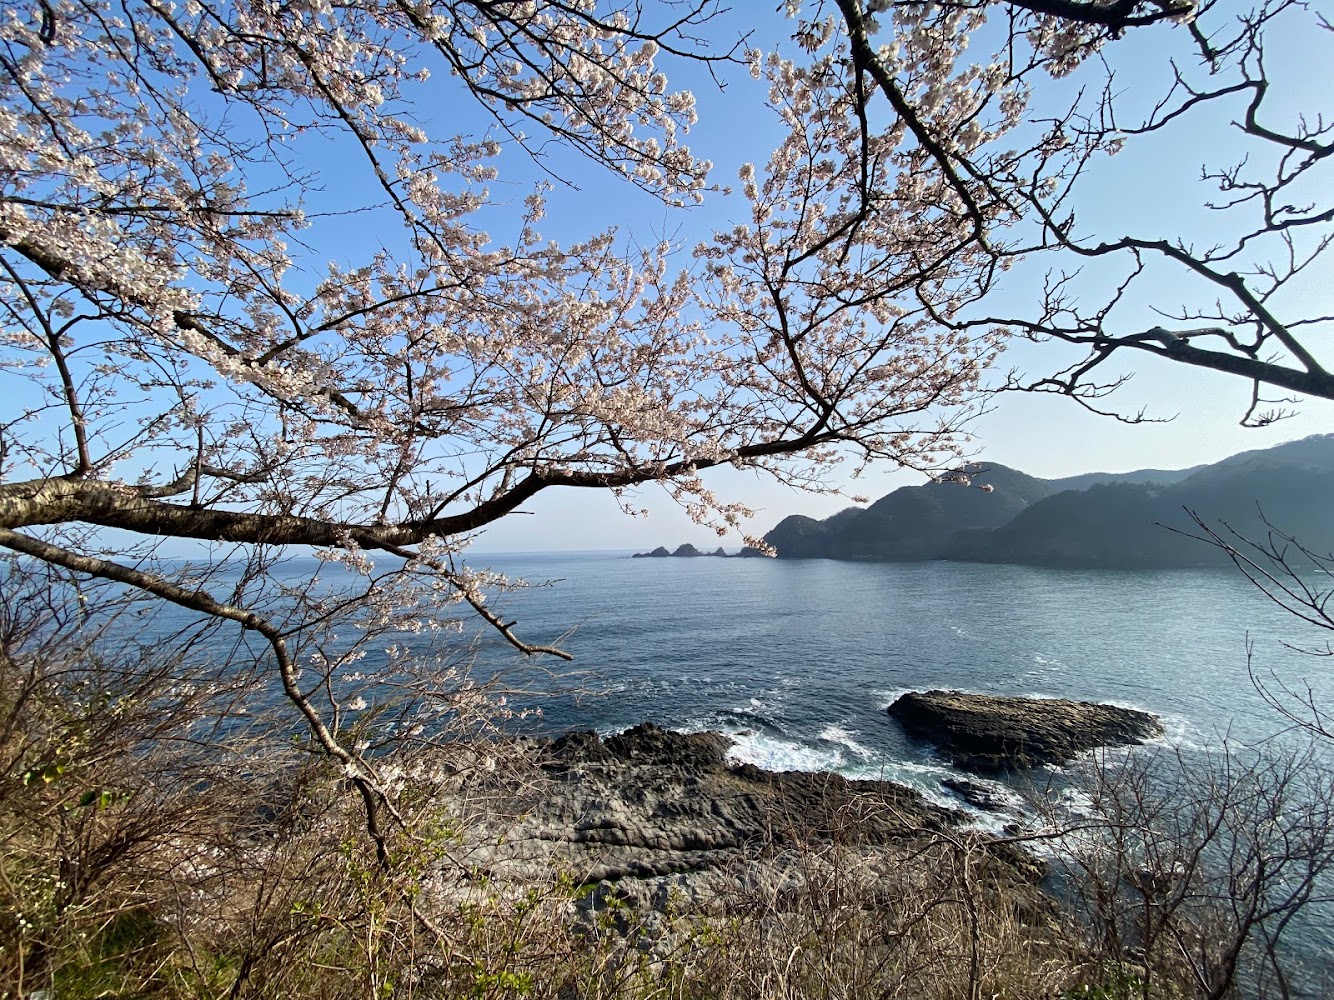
<point x="152" y="846"/>
<point x="157" y="839"/>
<point x="1190" y="875"/>
<point x="942" y="916"/>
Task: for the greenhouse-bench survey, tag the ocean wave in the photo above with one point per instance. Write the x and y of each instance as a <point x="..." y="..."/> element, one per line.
<point x="776" y="753"/>
<point x="887" y="696"/>
<point x="836" y="734"/>
<point x="766" y="742"/>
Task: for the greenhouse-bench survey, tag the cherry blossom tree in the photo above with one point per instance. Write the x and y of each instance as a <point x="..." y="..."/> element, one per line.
<point x="190" y="361"/>
<point x="1241" y="278"/>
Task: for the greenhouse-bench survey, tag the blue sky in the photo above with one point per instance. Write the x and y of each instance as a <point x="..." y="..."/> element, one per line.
<point x="1152" y="189"/>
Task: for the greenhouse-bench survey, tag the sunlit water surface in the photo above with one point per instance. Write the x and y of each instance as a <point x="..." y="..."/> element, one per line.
<point x="798" y="660"/>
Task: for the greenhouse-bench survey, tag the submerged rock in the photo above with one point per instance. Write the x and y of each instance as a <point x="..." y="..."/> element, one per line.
<point x="987" y="797"/>
<point x="993" y="733"/>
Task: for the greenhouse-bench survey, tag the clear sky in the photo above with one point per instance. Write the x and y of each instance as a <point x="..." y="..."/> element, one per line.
<point x="1153" y="189"/>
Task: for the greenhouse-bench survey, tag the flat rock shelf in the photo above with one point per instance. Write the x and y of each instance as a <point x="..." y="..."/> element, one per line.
<point x="659" y="832"/>
<point x="990" y="733"/>
<point x="651" y="803"/>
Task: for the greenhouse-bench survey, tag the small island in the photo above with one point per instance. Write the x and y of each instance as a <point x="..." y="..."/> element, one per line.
<point x="686" y="551"/>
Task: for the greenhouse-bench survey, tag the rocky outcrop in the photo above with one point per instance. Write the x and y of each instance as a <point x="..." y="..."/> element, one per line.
<point x="980" y="795"/>
<point x="992" y="733"/>
<point x="683" y="551"/>
<point x="651" y="803"/>
<point x="662" y="832"/>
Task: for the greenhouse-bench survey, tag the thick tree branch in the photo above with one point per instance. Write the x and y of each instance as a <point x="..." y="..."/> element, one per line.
<point x="1116" y="16"/>
<point x="1177" y="346"/>
<point x="356" y="769"/>
<point x="64" y="499"/>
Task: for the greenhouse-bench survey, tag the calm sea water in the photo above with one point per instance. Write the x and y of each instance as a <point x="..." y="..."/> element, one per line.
<point x="798" y="660"/>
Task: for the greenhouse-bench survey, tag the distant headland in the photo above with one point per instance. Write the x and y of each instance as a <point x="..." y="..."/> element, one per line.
<point x="1132" y="520"/>
<point x="686" y="551"/>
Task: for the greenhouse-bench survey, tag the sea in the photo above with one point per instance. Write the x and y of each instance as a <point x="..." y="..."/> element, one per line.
<point x="797" y="661"/>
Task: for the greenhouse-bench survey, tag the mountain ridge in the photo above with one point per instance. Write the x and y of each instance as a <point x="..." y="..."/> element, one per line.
<point x="1135" y="519"/>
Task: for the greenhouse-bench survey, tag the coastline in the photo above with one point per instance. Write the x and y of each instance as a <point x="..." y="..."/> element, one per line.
<point x="661" y="821"/>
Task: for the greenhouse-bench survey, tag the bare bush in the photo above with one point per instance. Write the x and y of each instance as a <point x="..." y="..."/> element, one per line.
<point x="1191" y="875"/>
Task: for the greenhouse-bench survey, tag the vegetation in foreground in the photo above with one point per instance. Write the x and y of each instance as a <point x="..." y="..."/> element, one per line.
<point x="137" y="858"/>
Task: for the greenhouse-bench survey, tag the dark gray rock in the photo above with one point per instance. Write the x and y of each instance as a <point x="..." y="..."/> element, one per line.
<point x="993" y="733"/>
<point x="659" y="553"/>
<point x="582" y="746"/>
<point x="650" y="802"/>
<point x="650" y="744"/>
<point x="662" y="831"/>
<point x="987" y="797"/>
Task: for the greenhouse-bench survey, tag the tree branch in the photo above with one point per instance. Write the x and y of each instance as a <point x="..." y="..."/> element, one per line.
<point x="357" y="770"/>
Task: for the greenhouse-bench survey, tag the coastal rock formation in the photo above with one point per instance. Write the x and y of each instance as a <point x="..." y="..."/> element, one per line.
<point x="662" y="834"/>
<point x="651" y="803"/>
<point x="683" y="551"/>
<point x="986" y="797"/>
<point x="992" y="733"/>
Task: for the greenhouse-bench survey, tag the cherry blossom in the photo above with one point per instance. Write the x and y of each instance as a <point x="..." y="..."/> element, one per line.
<point x="201" y="368"/>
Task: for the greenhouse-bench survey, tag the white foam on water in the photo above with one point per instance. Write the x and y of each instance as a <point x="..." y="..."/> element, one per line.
<point x="1034" y="696"/>
<point x="845" y="737"/>
<point x="1065" y="808"/>
<point x="1180" y="732"/>
<point x="886" y="697"/>
<point x="765" y="746"/>
<point x="993" y="823"/>
<point x="775" y="753"/>
<point x="924" y="778"/>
